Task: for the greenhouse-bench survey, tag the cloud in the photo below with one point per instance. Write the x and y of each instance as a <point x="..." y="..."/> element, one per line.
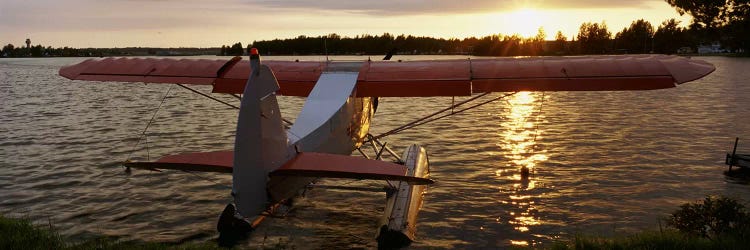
<point x="411" y="7"/>
<point x="53" y="15"/>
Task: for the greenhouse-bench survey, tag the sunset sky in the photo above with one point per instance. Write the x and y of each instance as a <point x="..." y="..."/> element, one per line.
<point x="200" y="23"/>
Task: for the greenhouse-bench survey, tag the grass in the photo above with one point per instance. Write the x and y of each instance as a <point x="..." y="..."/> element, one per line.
<point x="716" y="223"/>
<point x="667" y="239"/>
<point x="22" y="234"/>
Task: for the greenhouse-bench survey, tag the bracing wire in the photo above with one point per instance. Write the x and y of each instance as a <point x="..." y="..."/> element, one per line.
<point x="432" y="117"/>
<point x="151" y="121"/>
<point x="289" y="123"/>
<point x="538" y="116"/>
<point x="208" y="96"/>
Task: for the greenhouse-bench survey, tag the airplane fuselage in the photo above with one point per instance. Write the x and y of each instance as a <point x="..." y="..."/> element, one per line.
<point x="342" y="133"/>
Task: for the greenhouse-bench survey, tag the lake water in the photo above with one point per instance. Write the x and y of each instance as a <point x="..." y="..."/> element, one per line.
<point x="602" y="163"/>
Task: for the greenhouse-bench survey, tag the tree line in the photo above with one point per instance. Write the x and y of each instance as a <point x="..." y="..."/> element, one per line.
<point x="724" y="21"/>
<point x="593" y="38"/>
<point x="11" y="50"/>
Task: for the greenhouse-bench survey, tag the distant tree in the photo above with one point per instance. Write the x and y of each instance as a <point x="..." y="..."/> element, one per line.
<point x="8" y="50"/>
<point x="594" y="38"/>
<point x="713" y="20"/>
<point x="510" y="46"/>
<point x="737" y="34"/>
<point x="560" y="42"/>
<point x="37" y="50"/>
<point x="705" y="13"/>
<point x="484" y="46"/>
<point x="223" y="51"/>
<point x="636" y="38"/>
<point x="534" y="46"/>
<point x="235" y="50"/>
<point x="669" y="37"/>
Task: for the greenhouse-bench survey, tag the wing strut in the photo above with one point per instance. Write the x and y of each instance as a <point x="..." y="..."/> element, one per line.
<point x="442" y="114"/>
<point x="289" y="123"/>
<point x="208" y="96"/>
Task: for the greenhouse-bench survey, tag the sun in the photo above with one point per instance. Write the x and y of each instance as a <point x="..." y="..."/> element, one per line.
<point x="524" y="22"/>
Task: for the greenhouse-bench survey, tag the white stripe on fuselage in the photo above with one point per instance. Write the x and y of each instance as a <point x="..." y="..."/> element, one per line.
<point x="321" y="126"/>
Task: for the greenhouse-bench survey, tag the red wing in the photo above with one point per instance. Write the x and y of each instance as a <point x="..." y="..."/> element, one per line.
<point x="416" y="78"/>
<point x="149" y="70"/>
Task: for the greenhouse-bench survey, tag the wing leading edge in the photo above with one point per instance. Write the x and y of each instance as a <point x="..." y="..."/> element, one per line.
<point x="415" y="78"/>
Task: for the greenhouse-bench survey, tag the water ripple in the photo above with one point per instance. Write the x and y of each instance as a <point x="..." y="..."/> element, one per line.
<point x="599" y="163"/>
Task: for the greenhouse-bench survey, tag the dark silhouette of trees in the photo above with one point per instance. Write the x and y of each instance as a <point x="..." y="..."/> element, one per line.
<point x="534" y="46"/>
<point x="727" y="21"/>
<point x="560" y="47"/>
<point x="635" y="39"/>
<point x="8" y="50"/>
<point x="705" y="13"/>
<point x="669" y="37"/>
<point x="594" y="38"/>
<point x="236" y="50"/>
<point x="334" y="44"/>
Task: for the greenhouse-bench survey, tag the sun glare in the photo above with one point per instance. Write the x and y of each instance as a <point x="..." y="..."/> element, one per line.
<point x="527" y="21"/>
<point x="524" y="22"/>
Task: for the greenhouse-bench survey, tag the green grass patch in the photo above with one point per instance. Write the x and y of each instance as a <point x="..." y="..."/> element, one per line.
<point x="23" y="234"/>
<point x="714" y="223"/>
<point x="667" y="239"/>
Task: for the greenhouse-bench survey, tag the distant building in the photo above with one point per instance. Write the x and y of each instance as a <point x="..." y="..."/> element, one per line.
<point x="713" y="48"/>
<point x="28" y="43"/>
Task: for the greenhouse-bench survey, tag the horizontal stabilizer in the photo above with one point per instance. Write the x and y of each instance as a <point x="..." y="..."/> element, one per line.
<point x="310" y="164"/>
<point x="218" y="161"/>
<point x="307" y="164"/>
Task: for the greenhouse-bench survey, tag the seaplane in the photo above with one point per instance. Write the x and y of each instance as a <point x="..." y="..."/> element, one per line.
<point x="273" y="160"/>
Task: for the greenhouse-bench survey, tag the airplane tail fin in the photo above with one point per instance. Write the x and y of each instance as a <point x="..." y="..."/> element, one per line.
<point x="261" y="142"/>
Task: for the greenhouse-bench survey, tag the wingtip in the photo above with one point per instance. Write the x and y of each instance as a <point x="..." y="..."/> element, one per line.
<point x="67" y="72"/>
<point x="73" y="71"/>
<point x="685" y="69"/>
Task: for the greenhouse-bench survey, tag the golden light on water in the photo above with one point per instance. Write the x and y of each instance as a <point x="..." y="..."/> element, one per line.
<point x="522" y="131"/>
<point x="519" y="242"/>
<point x="520" y="144"/>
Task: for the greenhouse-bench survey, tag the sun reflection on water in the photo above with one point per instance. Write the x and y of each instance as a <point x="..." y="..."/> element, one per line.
<point x="519" y="142"/>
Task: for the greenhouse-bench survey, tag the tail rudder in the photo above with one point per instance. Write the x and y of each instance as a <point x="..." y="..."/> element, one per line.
<point x="260" y="143"/>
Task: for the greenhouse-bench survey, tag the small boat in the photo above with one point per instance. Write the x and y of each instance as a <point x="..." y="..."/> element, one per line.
<point x="734" y="159"/>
